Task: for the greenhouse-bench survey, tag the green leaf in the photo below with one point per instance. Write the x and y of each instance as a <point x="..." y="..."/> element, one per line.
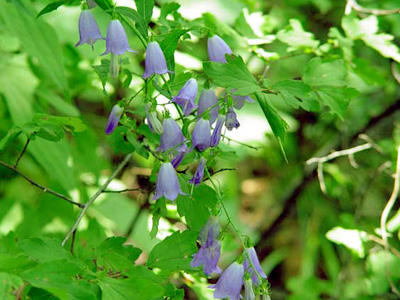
<point x="67" y="123"/>
<point x="344" y="43"/>
<point x="38" y="39"/>
<point x="329" y="73"/>
<point x="337" y="99"/>
<point x="296" y="37"/>
<point x="170" y="42"/>
<point x="350" y="238"/>
<point x="105" y="4"/>
<point x="145" y="9"/>
<point x="169" y="8"/>
<point x="232" y="75"/>
<point x="297" y="94"/>
<point x="138" y="145"/>
<point x="9" y="283"/>
<point x="159" y="210"/>
<point x="44" y="249"/>
<point x="15" y="263"/>
<point x="133" y="15"/>
<point x="102" y="71"/>
<point x="135" y="287"/>
<point x="53" y="6"/>
<point x="175" y="252"/>
<point x="11" y="135"/>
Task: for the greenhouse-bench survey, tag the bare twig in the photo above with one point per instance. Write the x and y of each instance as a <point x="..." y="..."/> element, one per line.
<point x="44" y="189"/>
<point x="336" y="154"/>
<point x="95" y="196"/>
<point x="240" y="143"/>
<point x="385" y="215"/>
<point x="379" y="241"/>
<point x="21" y="154"/>
<point x="395" y="72"/>
<point x="320" y="173"/>
<point x="373" y="11"/>
<point x="124" y="190"/>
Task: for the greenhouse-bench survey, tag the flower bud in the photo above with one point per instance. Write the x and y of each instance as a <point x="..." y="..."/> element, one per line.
<point x="198" y="175"/>
<point x="216" y="135"/>
<point x="207" y="100"/>
<point x="89" y="31"/>
<point x="155" y="60"/>
<point x="201" y="137"/>
<point x="187" y="96"/>
<point x="217" y="48"/>
<point x="231" y="120"/>
<point x="113" y="118"/>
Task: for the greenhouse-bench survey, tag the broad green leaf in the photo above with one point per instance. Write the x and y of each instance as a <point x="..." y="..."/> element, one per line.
<point x="15" y="263"/>
<point x="44" y="249"/>
<point x="232" y="75"/>
<point x="159" y="210"/>
<point x="134" y="16"/>
<point x="105" y="4"/>
<point x="53" y="6"/>
<point x="175" y="252"/>
<point x="11" y="135"/>
<point x="343" y="42"/>
<point x="367" y="30"/>
<point x="325" y="73"/>
<point x="9" y="283"/>
<point x="102" y="71"/>
<point x="170" y="42"/>
<point x="37" y="38"/>
<point x="296" y="37"/>
<point x="297" y="94"/>
<point x="67" y="123"/>
<point x="57" y="102"/>
<point x="337" y="99"/>
<point x="60" y="278"/>
<point x="135" y="287"/>
<point x="118" y="140"/>
<point x="352" y="239"/>
<point x="145" y="9"/>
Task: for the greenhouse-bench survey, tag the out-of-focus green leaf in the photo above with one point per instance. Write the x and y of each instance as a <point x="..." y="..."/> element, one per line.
<point x="57" y="102"/>
<point x="44" y="249"/>
<point x="54" y="5"/>
<point x="38" y="39"/>
<point x="175" y="252"/>
<point x="232" y="75"/>
<point x="325" y="73"/>
<point x="102" y="71"/>
<point x="159" y="210"/>
<point x="296" y="37"/>
<point x="337" y="99"/>
<point x="145" y="9"/>
<point x="9" y="283"/>
<point x="67" y="123"/>
<point x="11" y="135"/>
<point x="352" y="239"/>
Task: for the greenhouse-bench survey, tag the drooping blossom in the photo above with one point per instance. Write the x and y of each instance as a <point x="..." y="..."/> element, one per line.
<point x="248" y="268"/>
<point x="152" y="120"/>
<point x="116" y="40"/>
<point x="176" y="161"/>
<point x="198" y="175"/>
<point x="155" y="60"/>
<point x="207" y="100"/>
<point x="217" y="48"/>
<point x="172" y="137"/>
<point x="167" y="184"/>
<point x="113" y="118"/>
<point x="91" y="3"/>
<point x="210" y="248"/>
<point x="201" y="137"/>
<point x="231" y="120"/>
<point x="230" y="283"/>
<point x="238" y="101"/>
<point x="216" y="135"/>
<point x="187" y="96"/>
<point x="248" y="290"/>
<point x="89" y="31"/>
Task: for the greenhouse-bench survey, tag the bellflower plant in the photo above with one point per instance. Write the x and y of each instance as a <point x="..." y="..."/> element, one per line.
<point x="187" y="96"/>
<point x="176" y="161"/>
<point x="113" y="118"/>
<point x="152" y="120"/>
<point x="230" y="283"/>
<point x="247" y="266"/>
<point x="116" y="44"/>
<point x="238" y="101"/>
<point x="248" y="290"/>
<point x="198" y="175"/>
<point x="172" y="137"/>
<point x="231" y="120"/>
<point x="167" y="183"/>
<point x="217" y="48"/>
<point x="89" y="31"/>
<point x="216" y="135"/>
<point x="155" y="60"/>
<point x="201" y="137"/>
<point x="207" y="100"/>
<point x="210" y="250"/>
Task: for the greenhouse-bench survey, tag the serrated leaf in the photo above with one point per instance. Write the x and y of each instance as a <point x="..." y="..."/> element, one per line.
<point x="296" y="37"/>
<point x="175" y="252"/>
<point x="102" y="71"/>
<point x="329" y="73"/>
<point x="232" y="75"/>
<point x="159" y="210"/>
<point x="145" y="9"/>
<point x="297" y="94"/>
<point x="44" y="249"/>
<point x="337" y="99"/>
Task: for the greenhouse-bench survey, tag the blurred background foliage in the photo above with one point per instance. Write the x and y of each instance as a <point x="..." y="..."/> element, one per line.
<point x="312" y="244"/>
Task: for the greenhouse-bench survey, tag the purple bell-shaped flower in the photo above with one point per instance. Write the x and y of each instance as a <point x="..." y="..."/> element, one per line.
<point x="231" y="120"/>
<point x="238" y="101"/>
<point x="155" y="60"/>
<point x="176" y="161"/>
<point x="216" y="135"/>
<point x="217" y="48"/>
<point x="230" y="283"/>
<point x="167" y="183"/>
<point x="210" y="250"/>
<point x="198" y="175"/>
<point x="187" y="96"/>
<point x="116" y="41"/>
<point x="208" y="101"/>
<point x="89" y="31"/>
<point x="113" y="118"/>
<point x="152" y="120"/>
<point x="201" y="137"/>
<point x="172" y="137"/>
<point x="247" y="266"/>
